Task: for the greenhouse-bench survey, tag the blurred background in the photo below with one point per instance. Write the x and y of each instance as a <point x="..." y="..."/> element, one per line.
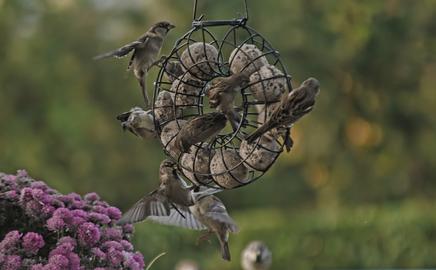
<point x="358" y="189"/>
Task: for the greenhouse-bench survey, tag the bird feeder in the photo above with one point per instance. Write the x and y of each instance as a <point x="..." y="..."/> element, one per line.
<point x="211" y="49"/>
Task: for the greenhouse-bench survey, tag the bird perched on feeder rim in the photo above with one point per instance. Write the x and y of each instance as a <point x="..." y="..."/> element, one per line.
<point x="212" y="213"/>
<point x="221" y="93"/>
<point x="292" y="107"/>
<point x="200" y="129"/>
<point x="138" y="122"/>
<point x="256" y="256"/>
<point x="145" y="52"/>
<point x="169" y="203"/>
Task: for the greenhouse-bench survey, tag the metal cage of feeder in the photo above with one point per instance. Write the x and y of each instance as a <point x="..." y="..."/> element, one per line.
<point x="208" y="50"/>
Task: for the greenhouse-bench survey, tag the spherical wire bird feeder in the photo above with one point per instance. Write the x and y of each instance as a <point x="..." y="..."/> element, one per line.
<point x="212" y="49"/>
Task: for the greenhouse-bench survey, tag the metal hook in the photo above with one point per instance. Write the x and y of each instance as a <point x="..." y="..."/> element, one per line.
<point x="194" y="13"/>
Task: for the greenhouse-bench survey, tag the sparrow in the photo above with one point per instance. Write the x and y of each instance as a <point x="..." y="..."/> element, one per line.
<point x="199" y="129"/>
<point x="211" y="212"/>
<point x="169" y="203"/>
<point x="221" y="94"/>
<point x="256" y="256"/>
<point x="145" y="52"/>
<point x="138" y="122"/>
<point x="292" y="107"/>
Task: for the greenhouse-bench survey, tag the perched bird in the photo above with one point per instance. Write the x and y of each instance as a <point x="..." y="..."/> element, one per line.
<point x="167" y="204"/>
<point x="145" y="52"/>
<point x="212" y="213"/>
<point x="222" y="92"/>
<point x="199" y="129"/>
<point x="292" y="107"/>
<point x="256" y="256"/>
<point x="138" y="122"/>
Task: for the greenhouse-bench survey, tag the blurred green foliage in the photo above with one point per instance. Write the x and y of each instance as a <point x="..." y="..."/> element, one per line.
<point x="356" y="190"/>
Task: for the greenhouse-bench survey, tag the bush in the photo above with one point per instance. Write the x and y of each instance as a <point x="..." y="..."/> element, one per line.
<point x="45" y="230"/>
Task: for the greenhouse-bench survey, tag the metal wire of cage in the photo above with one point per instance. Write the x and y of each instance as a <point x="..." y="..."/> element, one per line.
<point x="212" y="49"/>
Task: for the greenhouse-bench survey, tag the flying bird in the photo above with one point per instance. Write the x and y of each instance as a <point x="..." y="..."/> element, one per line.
<point x="169" y="203"/>
<point x="145" y="52"/>
<point x="211" y="212"/>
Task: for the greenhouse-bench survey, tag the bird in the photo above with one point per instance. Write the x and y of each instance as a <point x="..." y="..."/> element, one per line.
<point x="169" y="203"/>
<point x="256" y="256"/>
<point x="221" y="94"/>
<point x="199" y="129"/>
<point x="293" y="106"/>
<point x="145" y="52"/>
<point x="210" y="211"/>
<point x="187" y="265"/>
<point x="138" y="122"/>
<point x="160" y="202"/>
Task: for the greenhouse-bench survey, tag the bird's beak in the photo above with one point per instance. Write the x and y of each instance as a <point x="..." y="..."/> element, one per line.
<point x="171" y="26"/>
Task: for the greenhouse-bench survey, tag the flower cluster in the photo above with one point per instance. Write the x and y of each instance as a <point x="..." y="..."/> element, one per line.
<point x="42" y="229"/>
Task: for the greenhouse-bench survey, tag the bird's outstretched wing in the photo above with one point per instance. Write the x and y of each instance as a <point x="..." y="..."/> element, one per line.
<point x="120" y="52"/>
<point x="153" y="204"/>
<point x="175" y="218"/>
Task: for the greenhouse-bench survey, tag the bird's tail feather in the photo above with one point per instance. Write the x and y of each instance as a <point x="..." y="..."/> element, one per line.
<point x="225" y="252"/>
<point x="142" y="83"/>
<point x="103" y="56"/>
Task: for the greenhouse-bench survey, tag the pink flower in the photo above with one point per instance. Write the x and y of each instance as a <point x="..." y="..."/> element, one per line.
<point x="39" y="185"/>
<point x="100" y="209"/>
<point x="59" y="261"/>
<point x="88" y="234"/>
<point x="26" y="195"/>
<point x="11" y="195"/>
<point x="21" y="173"/>
<point x="62" y="249"/>
<point x="139" y="259"/>
<point x="99" y="218"/>
<point x="67" y="240"/>
<point x="38" y="266"/>
<point x="74" y="260"/>
<point x="128" y="228"/>
<point x="114" y="213"/>
<point x="10" y="241"/>
<point x="112" y="234"/>
<point x="115" y="257"/>
<point x="12" y="262"/>
<point x="126" y="245"/>
<point x="47" y="210"/>
<point x="32" y="242"/>
<point x="63" y="213"/>
<point x="91" y="197"/>
<point x="55" y="223"/>
<point x="98" y="253"/>
<point x="111" y="245"/>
